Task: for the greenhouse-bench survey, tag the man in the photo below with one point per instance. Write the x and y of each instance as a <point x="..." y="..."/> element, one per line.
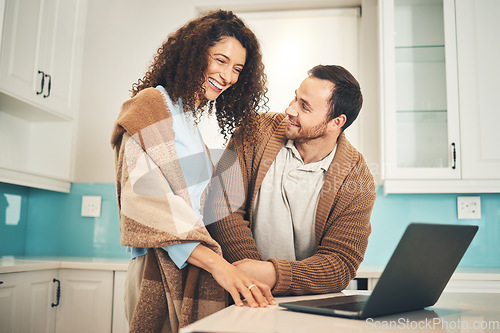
<point x="307" y="193"/>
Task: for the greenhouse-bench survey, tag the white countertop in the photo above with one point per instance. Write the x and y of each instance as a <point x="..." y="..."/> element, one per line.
<point x="454" y="312"/>
<point x="12" y="264"/>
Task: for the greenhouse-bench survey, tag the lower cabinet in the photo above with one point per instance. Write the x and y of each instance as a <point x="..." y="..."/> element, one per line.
<point x="26" y="302"/>
<point x="86" y="301"/>
<point x="90" y="301"/>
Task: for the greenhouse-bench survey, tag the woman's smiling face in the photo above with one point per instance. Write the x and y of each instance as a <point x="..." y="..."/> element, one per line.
<point x="226" y="60"/>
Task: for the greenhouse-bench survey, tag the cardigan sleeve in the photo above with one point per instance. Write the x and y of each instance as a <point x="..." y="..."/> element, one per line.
<point x="229" y="205"/>
<point x="225" y="207"/>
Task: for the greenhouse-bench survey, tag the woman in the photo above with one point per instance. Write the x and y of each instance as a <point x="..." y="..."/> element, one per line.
<point x="162" y="168"/>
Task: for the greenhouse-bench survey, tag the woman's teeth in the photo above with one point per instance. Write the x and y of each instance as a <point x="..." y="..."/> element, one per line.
<point x="292" y="123"/>
<point x="215" y="84"/>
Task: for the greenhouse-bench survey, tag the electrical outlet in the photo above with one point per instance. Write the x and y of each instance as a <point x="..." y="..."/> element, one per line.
<point x="91" y="206"/>
<point x="469" y="208"/>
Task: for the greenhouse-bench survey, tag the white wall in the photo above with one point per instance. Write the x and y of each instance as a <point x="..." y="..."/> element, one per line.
<point x="121" y="38"/>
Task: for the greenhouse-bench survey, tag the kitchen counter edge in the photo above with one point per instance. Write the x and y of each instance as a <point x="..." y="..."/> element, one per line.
<point x="24" y="264"/>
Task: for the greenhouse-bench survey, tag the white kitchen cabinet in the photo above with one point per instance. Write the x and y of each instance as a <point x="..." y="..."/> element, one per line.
<point x="41" y="53"/>
<point x="26" y="302"/>
<point x="29" y="302"/>
<point x="10" y="294"/>
<point x="425" y="147"/>
<point x="420" y="100"/>
<point x="479" y="76"/>
<point x="86" y="301"/>
<point x="40" y="70"/>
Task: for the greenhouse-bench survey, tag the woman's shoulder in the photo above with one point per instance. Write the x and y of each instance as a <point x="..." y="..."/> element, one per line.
<point x="143" y="99"/>
<point x="145" y="108"/>
<point x="145" y="94"/>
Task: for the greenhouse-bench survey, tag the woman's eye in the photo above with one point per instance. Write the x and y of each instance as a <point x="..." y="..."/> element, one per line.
<point x="220" y="61"/>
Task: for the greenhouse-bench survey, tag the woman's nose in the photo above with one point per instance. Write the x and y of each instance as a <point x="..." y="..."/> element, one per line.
<point x="226" y="75"/>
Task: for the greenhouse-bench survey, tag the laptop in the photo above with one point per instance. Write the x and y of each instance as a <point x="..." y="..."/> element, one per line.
<point x="414" y="278"/>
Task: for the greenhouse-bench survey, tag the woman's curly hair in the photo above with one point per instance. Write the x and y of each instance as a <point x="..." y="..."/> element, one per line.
<point x="181" y="61"/>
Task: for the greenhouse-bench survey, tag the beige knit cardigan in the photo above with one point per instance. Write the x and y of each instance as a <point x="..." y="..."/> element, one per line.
<point x="155" y="211"/>
<point x="342" y="223"/>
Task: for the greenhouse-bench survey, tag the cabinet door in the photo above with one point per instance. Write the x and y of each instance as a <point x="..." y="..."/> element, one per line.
<point x="40" y="61"/>
<point x="10" y="298"/>
<point x="479" y="76"/>
<point x="38" y="314"/>
<point x="86" y="301"/>
<point x="26" y="302"/>
<point x="420" y="98"/>
<point x="19" y="61"/>
<point x="62" y="52"/>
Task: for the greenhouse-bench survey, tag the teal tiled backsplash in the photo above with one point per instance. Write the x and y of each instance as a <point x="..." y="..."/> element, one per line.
<point x="43" y="223"/>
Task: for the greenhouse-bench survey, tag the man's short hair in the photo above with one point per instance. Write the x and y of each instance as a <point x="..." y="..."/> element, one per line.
<point x="346" y="96"/>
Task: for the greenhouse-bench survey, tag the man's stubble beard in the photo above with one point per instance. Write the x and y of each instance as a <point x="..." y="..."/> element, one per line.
<point x="308" y="135"/>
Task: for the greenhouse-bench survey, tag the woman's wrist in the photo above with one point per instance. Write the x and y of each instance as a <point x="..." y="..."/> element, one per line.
<point x="204" y="258"/>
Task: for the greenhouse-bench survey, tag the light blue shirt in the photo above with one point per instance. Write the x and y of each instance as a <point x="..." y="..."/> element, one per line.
<point x="197" y="170"/>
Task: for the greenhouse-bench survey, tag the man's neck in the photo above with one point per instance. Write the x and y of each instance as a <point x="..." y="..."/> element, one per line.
<point x="317" y="149"/>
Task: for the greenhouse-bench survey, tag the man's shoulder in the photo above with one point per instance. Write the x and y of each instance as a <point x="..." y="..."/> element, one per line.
<point x="269" y="122"/>
<point x="270" y="118"/>
<point x="350" y="157"/>
<point x="265" y="125"/>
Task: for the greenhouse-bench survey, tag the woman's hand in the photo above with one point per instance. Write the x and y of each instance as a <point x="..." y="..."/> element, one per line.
<point x="232" y="279"/>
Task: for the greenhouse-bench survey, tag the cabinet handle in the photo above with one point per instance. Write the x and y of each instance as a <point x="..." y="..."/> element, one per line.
<point x="50" y="83"/>
<point x="454" y="155"/>
<point x="58" y="292"/>
<point x="42" y="83"/>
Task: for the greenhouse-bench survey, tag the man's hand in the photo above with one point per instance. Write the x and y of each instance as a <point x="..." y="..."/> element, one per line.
<point x="262" y="271"/>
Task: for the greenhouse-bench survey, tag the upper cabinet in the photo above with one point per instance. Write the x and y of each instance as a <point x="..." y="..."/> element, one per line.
<point x="423" y="111"/>
<point x="40" y="73"/>
<point x="40" y="48"/>
<point x="478" y="26"/>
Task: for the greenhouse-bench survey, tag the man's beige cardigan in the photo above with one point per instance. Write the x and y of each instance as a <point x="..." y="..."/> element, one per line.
<point x="342" y="223"/>
<point x="155" y="211"/>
